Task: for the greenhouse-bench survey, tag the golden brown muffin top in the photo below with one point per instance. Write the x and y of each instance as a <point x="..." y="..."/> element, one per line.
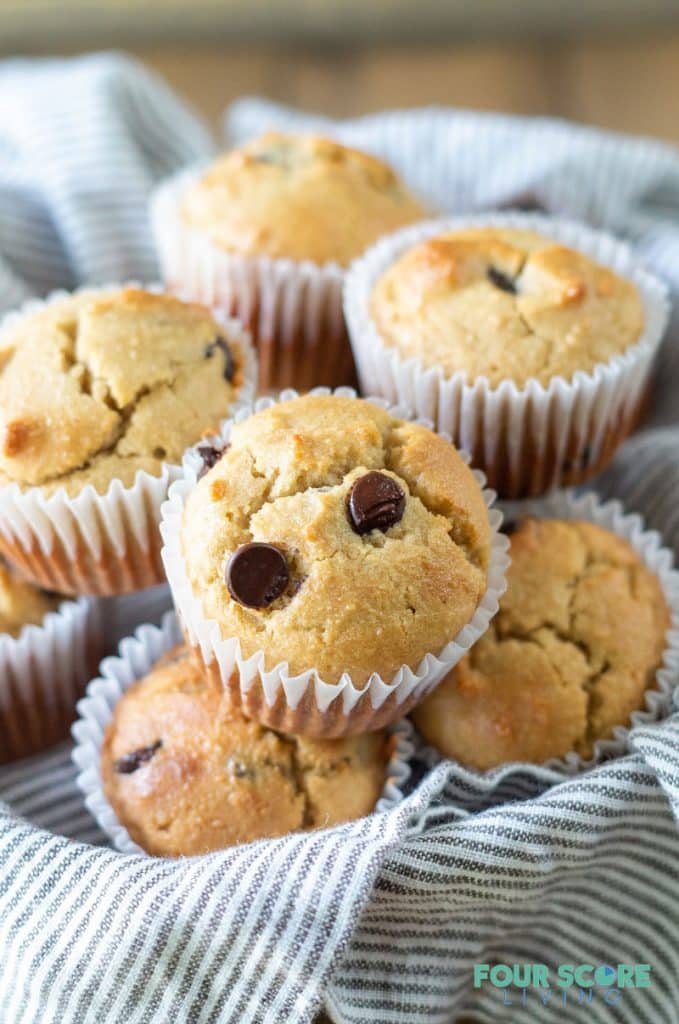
<point x="99" y="385"/>
<point x="22" y="603"/>
<point x="186" y="773"/>
<point x="506" y="305"/>
<point x="379" y="531"/>
<point x="299" y="197"/>
<point x="578" y="639"/>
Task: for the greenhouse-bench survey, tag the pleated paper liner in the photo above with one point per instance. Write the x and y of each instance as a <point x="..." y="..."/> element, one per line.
<point x="648" y="545"/>
<point x="306" y="704"/>
<point x="136" y="658"/>
<point x="43" y="673"/>
<point x="527" y="440"/>
<point x="292" y="309"/>
<point x="97" y="544"/>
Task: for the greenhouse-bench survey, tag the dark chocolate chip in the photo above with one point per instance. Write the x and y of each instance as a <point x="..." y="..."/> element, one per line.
<point x="210" y="455"/>
<point x="257" y="574"/>
<point x="240" y="769"/>
<point x="229" y="364"/>
<point x="129" y="763"/>
<point x="501" y="280"/>
<point x="376" y="502"/>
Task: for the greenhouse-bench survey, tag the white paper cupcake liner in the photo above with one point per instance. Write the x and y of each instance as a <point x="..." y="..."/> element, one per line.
<point x="137" y="656"/>
<point x="527" y="440"/>
<point x="43" y="673"/>
<point x="305" y="703"/>
<point x="648" y="544"/>
<point x="292" y="309"/>
<point x="99" y="544"/>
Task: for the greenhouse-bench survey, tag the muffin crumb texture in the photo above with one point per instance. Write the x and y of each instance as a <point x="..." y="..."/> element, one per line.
<point x="504" y="304"/>
<point x="187" y="774"/>
<point x="21" y="603"/>
<point x="298" y="197"/>
<point x="382" y="528"/>
<point x="578" y="639"/>
<point x="100" y="385"/>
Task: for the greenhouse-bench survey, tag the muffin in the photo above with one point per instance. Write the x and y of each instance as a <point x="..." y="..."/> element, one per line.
<point x="576" y="645"/>
<point x="186" y="773"/>
<point x="531" y="347"/>
<point x="100" y="394"/>
<point x="21" y="603"/>
<point x="337" y="543"/>
<point x="48" y="650"/>
<point x="505" y="304"/>
<point x="267" y="231"/>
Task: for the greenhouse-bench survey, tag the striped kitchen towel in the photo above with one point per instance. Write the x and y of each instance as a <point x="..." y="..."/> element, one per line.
<point x="380" y="920"/>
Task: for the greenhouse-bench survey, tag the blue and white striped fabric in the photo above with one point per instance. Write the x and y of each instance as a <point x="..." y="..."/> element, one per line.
<point x="381" y="920"/>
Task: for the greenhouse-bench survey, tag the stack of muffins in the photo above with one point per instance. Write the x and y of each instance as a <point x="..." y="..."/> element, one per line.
<point x="334" y="561"/>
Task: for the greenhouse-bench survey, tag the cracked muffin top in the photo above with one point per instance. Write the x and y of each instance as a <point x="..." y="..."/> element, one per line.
<point x="332" y="535"/>
<point x="504" y="305"/>
<point x="298" y="197"/>
<point x="578" y="639"/>
<point x="99" y="385"/>
<point x="22" y="603"/>
<point x="186" y="773"/>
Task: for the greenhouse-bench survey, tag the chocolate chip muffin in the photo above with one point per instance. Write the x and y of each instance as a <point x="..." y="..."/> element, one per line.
<point x="332" y="564"/>
<point x="100" y="385"/>
<point x="577" y="642"/>
<point x="298" y="197"/>
<point x="504" y="304"/>
<point x="186" y="773"/>
<point x="22" y="604"/>
<point x="100" y="394"/>
<point x="333" y="535"/>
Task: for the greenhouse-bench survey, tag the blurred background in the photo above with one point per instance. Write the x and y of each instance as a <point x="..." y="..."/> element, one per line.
<point x="613" y="63"/>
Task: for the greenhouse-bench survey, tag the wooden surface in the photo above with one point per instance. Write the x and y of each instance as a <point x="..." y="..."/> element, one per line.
<point x="96" y="23"/>
<point x="628" y="84"/>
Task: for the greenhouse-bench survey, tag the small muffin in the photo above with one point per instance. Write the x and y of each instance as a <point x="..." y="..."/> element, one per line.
<point x="100" y="385"/>
<point x="267" y="232"/>
<point x="333" y="535"/>
<point x="298" y="197"/>
<point x="43" y="670"/>
<point x="505" y="304"/>
<point x="22" y="604"/>
<point x="186" y="773"/>
<point x="101" y="392"/>
<point x="577" y="642"/>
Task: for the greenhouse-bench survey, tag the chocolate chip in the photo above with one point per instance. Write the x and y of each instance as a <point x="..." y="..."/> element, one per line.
<point x="129" y="763"/>
<point x="229" y="364"/>
<point x="257" y="574"/>
<point x="239" y="769"/>
<point x="376" y="502"/>
<point x="509" y="527"/>
<point x="501" y="280"/>
<point x="210" y="455"/>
